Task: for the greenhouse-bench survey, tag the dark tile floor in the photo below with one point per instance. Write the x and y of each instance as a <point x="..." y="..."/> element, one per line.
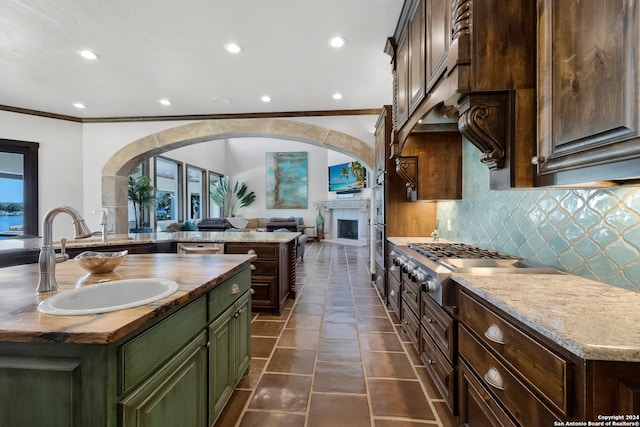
<point x="334" y="357"/>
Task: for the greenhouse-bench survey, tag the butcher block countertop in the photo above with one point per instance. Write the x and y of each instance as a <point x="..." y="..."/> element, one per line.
<point x="20" y="320"/>
<point x="591" y="319"/>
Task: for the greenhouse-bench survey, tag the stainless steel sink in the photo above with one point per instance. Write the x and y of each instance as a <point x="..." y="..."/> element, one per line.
<point x="499" y="266"/>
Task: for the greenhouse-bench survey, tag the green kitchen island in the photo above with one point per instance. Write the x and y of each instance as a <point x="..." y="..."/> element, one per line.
<point x="172" y="362"/>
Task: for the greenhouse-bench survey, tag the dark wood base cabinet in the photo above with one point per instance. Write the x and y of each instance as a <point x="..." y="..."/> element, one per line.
<point x="477" y="406"/>
<point x="512" y="375"/>
<point x="272" y="273"/>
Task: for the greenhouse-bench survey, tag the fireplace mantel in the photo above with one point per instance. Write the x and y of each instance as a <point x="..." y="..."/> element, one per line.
<point x="345" y="204"/>
<point x="355" y="209"/>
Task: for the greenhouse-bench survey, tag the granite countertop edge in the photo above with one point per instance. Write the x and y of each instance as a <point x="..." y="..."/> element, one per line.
<point x="33" y="244"/>
<point x="561" y="308"/>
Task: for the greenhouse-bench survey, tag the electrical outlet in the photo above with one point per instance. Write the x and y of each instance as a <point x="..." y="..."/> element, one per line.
<point x="448" y="225"/>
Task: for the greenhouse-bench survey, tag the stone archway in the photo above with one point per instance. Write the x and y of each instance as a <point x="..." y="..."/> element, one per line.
<point x="116" y="171"/>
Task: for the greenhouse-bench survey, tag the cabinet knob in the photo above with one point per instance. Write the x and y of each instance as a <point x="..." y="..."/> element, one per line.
<point x="252" y="291"/>
<point x="536" y="160"/>
<point x="494" y="333"/>
<point x="235" y="289"/>
<point x="494" y="379"/>
<point x="253" y="267"/>
<point x="392" y="293"/>
<point x="429" y="320"/>
<point x="431" y="362"/>
<point x="251" y="252"/>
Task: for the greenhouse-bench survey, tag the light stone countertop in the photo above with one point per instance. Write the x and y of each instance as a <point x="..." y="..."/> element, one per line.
<point x="591" y="319"/>
<point x="33" y="244"/>
<point x="403" y="241"/>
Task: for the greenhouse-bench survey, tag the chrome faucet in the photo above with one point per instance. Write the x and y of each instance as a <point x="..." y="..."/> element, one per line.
<point x="47" y="260"/>
<point x="103" y="224"/>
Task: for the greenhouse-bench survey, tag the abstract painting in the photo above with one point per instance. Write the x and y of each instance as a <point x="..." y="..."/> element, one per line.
<point x="286" y="180"/>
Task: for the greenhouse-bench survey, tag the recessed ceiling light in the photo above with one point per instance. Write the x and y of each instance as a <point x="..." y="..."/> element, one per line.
<point x="337" y="41"/>
<point x="337" y="96"/>
<point x="265" y="98"/>
<point x="79" y="105"/>
<point x="233" y="48"/>
<point x="165" y="102"/>
<point x="222" y="100"/>
<point x="88" y="54"/>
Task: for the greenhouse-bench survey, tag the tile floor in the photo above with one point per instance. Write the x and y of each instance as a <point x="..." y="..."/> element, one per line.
<point x="334" y="357"/>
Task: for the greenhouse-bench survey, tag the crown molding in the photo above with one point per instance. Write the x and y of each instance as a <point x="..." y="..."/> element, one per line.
<point x="271" y="115"/>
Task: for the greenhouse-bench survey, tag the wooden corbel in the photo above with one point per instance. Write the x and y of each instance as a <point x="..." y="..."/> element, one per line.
<point x="485" y="120"/>
<point x="407" y="168"/>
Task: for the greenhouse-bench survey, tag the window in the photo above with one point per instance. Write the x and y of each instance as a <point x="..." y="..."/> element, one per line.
<point x="169" y="191"/>
<point x="145" y="221"/>
<point x="214" y="211"/>
<point x="196" y="205"/>
<point x="18" y="188"/>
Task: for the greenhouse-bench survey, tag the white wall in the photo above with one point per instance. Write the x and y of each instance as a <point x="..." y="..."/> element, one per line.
<point x="246" y="162"/>
<point x="72" y="156"/>
<point x="60" y="163"/>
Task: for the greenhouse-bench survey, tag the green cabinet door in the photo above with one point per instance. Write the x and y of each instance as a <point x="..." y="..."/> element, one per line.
<point x="242" y="334"/>
<point x="221" y="362"/>
<point x="229" y="353"/>
<point x="175" y="395"/>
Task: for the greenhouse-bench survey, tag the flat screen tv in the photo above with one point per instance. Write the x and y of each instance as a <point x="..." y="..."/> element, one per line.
<point x="347" y="177"/>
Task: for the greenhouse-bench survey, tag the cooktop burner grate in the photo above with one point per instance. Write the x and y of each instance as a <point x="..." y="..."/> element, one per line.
<point x="436" y="251"/>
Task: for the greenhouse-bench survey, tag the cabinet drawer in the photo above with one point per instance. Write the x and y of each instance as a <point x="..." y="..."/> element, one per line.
<point x="411" y="326"/>
<point x="260" y="250"/>
<point x="477" y="405"/>
<point x="145" y="353"/>
<point x="411" y="294"/>
<point x="265" y="290"/>
<point x="264" y="268"/>
<point x="439" y="324"/>
<point x="394" y="295"/>
<point x="394" y="270"/>
<point x="519" y="401"/>
<point x="439" y="368"/>
<point x="225" y="294"/>
<point x="546" y="372"/>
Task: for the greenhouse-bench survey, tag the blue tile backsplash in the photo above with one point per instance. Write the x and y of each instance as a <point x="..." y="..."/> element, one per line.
<point x="587" y="232"/>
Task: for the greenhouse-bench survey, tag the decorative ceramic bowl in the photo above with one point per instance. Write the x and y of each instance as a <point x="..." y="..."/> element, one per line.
<point x="100" y="262"/>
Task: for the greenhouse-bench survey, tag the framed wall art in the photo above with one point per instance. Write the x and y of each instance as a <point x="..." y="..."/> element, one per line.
<point x="286" y="180"/>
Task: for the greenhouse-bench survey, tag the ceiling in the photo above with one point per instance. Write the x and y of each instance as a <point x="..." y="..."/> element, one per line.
<point x="154" y="49"/>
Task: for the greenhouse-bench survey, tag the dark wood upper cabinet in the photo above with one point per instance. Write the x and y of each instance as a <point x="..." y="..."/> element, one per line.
<point x="383" y="138"/>
<point x="472" y="63"/>
<point x="438" y="30"/>
<point x="416" y="67"/>
<point x="401" y="93"/>
<point x="588" y="81"/>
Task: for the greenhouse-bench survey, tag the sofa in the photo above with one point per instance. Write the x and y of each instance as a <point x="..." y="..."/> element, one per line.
<point x="294" y="224"/>
<point x="274" y="224"/>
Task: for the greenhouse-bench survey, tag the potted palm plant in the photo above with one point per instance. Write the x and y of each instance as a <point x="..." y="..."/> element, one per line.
<point x="143" y="196"/>
<point x="231" y="200"/>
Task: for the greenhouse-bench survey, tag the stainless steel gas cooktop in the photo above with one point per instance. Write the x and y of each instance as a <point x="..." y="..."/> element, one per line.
<point x="437" y="251"/>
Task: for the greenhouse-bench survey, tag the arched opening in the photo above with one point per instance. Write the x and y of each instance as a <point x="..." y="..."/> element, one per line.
<point x="116" y="171"/>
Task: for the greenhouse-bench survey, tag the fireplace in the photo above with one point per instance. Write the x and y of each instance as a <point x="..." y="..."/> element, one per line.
<point x="346" y="221"/>
<point x="348" y="229"/>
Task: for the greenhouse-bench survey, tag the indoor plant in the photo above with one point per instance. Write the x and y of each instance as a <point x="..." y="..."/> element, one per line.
<point x="143" y="196"/>
<point x="231" y="200"/>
